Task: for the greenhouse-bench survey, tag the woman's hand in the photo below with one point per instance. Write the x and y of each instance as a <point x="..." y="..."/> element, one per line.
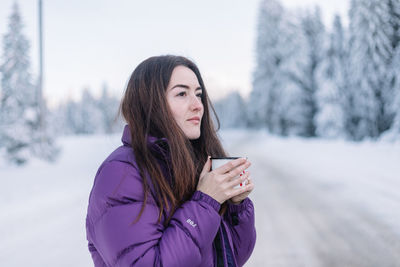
<point x="250" y="186"/>
<point x="219" y="183"/>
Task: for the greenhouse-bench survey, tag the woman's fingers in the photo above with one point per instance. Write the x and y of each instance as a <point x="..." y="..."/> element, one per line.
<point x="246" y="189"/>
<point x="237" y="171"/>
<point x="206" y="168"/>
<point x="234" y="182"/>
<point x="249" y="185"/>
<point x="220" y="182"/>
<point x="230" y="165"/>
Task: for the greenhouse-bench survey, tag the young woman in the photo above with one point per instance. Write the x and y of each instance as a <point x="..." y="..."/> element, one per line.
<point x="155" y="200"/>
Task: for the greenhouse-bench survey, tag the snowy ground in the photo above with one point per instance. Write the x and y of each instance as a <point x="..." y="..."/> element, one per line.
<point x="318" y="203"/>
<point x="321" y="203"/>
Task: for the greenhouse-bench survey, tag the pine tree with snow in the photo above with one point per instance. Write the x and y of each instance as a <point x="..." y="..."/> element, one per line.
<point x="17" y="96"/>
<point x="84" y="116"/>
<point x="262" y="98"/>
<point x="370" y="53"/>
<point x="17" y="93"/>
<point x="231" y="111"/>
<point x="333" y="104"/>
<point x="270" y="90"/>
<point x="92" y="117"/>
<point x="394" y="132"/>
<point x="19" y="109"/>
<point x="72" y="116"/>
<point x="393" y="75"/>
<point x="394" y="22"/>
<point x="108" y="107"/>
<point x="89" y="115"/>
<point x="305" y="72"/>
<point x="57" y="120"/>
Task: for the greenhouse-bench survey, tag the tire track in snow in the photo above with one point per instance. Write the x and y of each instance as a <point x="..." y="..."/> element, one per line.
<point x="305" y="222"/>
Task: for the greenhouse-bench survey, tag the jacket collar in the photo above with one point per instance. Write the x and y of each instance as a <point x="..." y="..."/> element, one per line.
<point x="151" y="140"/>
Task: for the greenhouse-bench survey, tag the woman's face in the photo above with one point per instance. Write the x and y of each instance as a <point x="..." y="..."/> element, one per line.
<point x="184" y="99"/>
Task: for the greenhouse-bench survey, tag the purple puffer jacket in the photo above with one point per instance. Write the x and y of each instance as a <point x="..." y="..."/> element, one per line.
<point x="116" y="199"/>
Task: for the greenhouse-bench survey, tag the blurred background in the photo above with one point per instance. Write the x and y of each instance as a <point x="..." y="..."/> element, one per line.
<point x="309" y="92"/>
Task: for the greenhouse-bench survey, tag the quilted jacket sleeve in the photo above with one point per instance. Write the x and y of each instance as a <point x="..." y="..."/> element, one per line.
<point x="240" y="220"/>
<point x="115" y="202"/>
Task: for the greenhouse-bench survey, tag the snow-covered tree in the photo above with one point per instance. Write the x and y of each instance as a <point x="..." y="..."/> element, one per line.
<point x="89" y="115"/>
<point x="370" y="52"/>
<point x="231" y="111"/>
<point x="274" y="48"/>
<point x="84" y="116"/>
<point x="334" y="85"/>
<point x="290" y="49"/>
<point x="394" y="22"/>
<point x="19" y="110"/>
<point x="108" y="106"/>
<point x="393" y="79"/>
<point x="308" y="85"/>
<point x="268" y="59"/>
<point x="306" y="71"/>
<point x="394" y="132"/>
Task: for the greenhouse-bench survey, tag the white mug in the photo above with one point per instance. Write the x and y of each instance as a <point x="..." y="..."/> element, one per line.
<point x="217" y="162"/>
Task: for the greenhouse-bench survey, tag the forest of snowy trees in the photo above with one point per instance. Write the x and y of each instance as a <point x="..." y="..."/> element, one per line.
<point x="22" y="134"/>
<point x="310" y="80"/>
<point x="89" y="115"/>
<point x="337" y="83"/>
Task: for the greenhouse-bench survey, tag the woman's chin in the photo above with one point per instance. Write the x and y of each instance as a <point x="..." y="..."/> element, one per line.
<point x="193" y="135"/>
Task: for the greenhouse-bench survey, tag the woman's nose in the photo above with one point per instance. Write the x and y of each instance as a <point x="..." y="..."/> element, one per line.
<point x="196" y="103"/>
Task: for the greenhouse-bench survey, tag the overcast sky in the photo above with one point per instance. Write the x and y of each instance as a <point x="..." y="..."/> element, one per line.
<point x="92" y="42"/>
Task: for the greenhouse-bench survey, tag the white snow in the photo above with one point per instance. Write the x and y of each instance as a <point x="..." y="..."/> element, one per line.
<point x="43" y="206"/>
<point x="366" y="174"/>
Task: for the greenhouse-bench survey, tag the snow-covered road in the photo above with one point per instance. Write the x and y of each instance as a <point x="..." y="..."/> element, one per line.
<point x="312" y="207"/>
<point x="311" y="220"/>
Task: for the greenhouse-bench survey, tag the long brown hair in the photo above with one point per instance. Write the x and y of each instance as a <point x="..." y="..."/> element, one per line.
<point x="145" y="109"/>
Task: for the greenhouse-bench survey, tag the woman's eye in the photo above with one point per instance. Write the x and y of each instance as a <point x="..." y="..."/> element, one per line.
<point x="200" y="95"/>
<point x="182" y="94"/>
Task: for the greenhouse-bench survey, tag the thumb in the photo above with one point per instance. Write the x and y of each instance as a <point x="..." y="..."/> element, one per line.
<point x="206" y="168"/>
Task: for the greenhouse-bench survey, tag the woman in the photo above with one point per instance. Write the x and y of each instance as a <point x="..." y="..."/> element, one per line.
<point x="155" y="200"/>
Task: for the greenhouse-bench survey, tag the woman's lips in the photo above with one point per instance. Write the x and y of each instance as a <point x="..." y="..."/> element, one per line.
<point x="195" y="120"/>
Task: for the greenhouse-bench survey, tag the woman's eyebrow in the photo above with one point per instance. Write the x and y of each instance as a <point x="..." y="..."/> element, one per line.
<point x="185" y="86"/>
